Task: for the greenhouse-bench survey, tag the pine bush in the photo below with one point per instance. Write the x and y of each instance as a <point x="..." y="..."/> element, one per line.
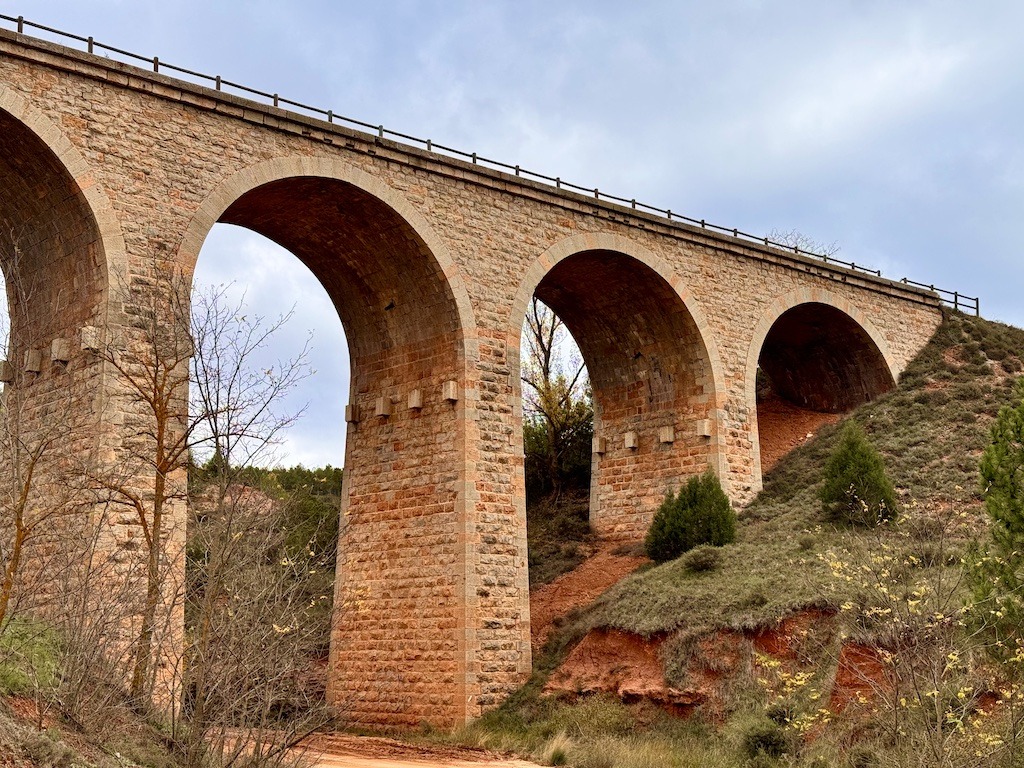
<point x="996" y="569"/>
<point x="857" y="490"/>
<point x="699" y="514"/>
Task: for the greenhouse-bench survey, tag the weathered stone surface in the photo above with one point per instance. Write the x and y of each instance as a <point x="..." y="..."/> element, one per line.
<point x="116" y="174"/>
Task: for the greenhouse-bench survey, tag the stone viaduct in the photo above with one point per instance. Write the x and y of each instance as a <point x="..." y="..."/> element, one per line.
<point x="109" y="172"/>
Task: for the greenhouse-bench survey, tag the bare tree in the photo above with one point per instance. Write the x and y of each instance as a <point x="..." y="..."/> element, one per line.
<point x="251" y="637"/>
<point x="247" y="692"/>
<point x="185" y="370"/>
<point x="150" y="359"/>
<point x="793" y="238"/>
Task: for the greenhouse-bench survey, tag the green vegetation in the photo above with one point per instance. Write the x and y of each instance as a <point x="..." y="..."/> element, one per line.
<point x="703" y="558"/>
<point x="260" y="559"/>
<point x="558" y="427"/>
<point x="856" y="489"/>
<point x="29" y="657"/>
<point x="699" y="514"/>
<point x="777" y="564"/>
<point x="558" y="419"/>
<point x="557" y="532"/>
<point x="998" y="573"/>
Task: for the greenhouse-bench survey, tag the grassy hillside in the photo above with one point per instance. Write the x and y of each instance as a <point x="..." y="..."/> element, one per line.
<point x="876" y="587"/>
<point x="930" y="430"/>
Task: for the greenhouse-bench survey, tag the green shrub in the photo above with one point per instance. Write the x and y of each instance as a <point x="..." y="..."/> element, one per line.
<point x="856" y="490"/>
<point x="765" y="739"/>
<point x="702" y="559"/>
<point x="699" y="514"/>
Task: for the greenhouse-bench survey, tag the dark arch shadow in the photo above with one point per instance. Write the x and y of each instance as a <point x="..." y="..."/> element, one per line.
<point x="819" y="358"/>
<point x="53" y="261"/>
<point x="381" y="276"/>
<point x="651" y="377"/>
<point x="816" y="363"/>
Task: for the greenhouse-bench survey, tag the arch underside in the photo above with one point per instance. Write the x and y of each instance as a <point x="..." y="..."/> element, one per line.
<point x="817" y="357"/>
<point x="50" y="246"/>
<point x="651" y="376"/>
<point x="816" y="363"/>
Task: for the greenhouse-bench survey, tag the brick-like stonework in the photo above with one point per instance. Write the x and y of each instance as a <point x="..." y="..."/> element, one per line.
<point x="113" y="173"/>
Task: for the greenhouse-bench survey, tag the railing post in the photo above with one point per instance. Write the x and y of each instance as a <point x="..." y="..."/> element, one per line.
<point x="956" y="300"/>
<point x="90" y="42"/>
<point x="218" y="82"/>
<point x="21" y="25"/>
<point x="156" y="63"/>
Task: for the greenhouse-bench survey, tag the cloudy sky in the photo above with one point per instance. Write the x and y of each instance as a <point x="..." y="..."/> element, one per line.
<point x="891" y="129"/>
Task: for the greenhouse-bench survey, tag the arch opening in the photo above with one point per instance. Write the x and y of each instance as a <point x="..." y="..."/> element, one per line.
<point x="651" y="379"/>
<point x="816" y="363"/>
<point x="396" y="600"/>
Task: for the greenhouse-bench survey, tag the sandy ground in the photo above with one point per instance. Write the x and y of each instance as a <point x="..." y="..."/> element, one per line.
<point x="338" y="751"/>
<point x="783" y="426"/>
<point x="576" y="589"/>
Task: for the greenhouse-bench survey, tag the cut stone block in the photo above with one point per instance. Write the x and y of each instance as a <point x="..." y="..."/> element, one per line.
<point x="631" y="440"/>
<point x="416" y="400"/>
<point x="90" y="338"/>
<point x="600" y="445"/>
<point x="450" y="391"/>
<point x="382" y="407"/>
<point x="667" y="434"/>
<point x="33" y="361"/>
<point x="60" y="350"/>
<point x="351" y="413"/>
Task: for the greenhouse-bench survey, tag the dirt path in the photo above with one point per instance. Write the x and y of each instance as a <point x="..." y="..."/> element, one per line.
<point x="576" y="589"/>
<point x="783" y="426"/>
<point x="340" y="751"/>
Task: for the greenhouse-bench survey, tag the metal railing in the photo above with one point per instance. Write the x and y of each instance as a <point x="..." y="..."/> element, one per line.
<point x="954" y="299"/>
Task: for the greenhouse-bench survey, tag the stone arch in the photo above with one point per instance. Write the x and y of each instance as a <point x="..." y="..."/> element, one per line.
<point x="73" y="190"/>
<point x="278" y="169"/>
<point x="608" y="241"/>
<point x="401" y="622"/>
<point x="798" y="307"/>
<point x="611" y="291"/>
